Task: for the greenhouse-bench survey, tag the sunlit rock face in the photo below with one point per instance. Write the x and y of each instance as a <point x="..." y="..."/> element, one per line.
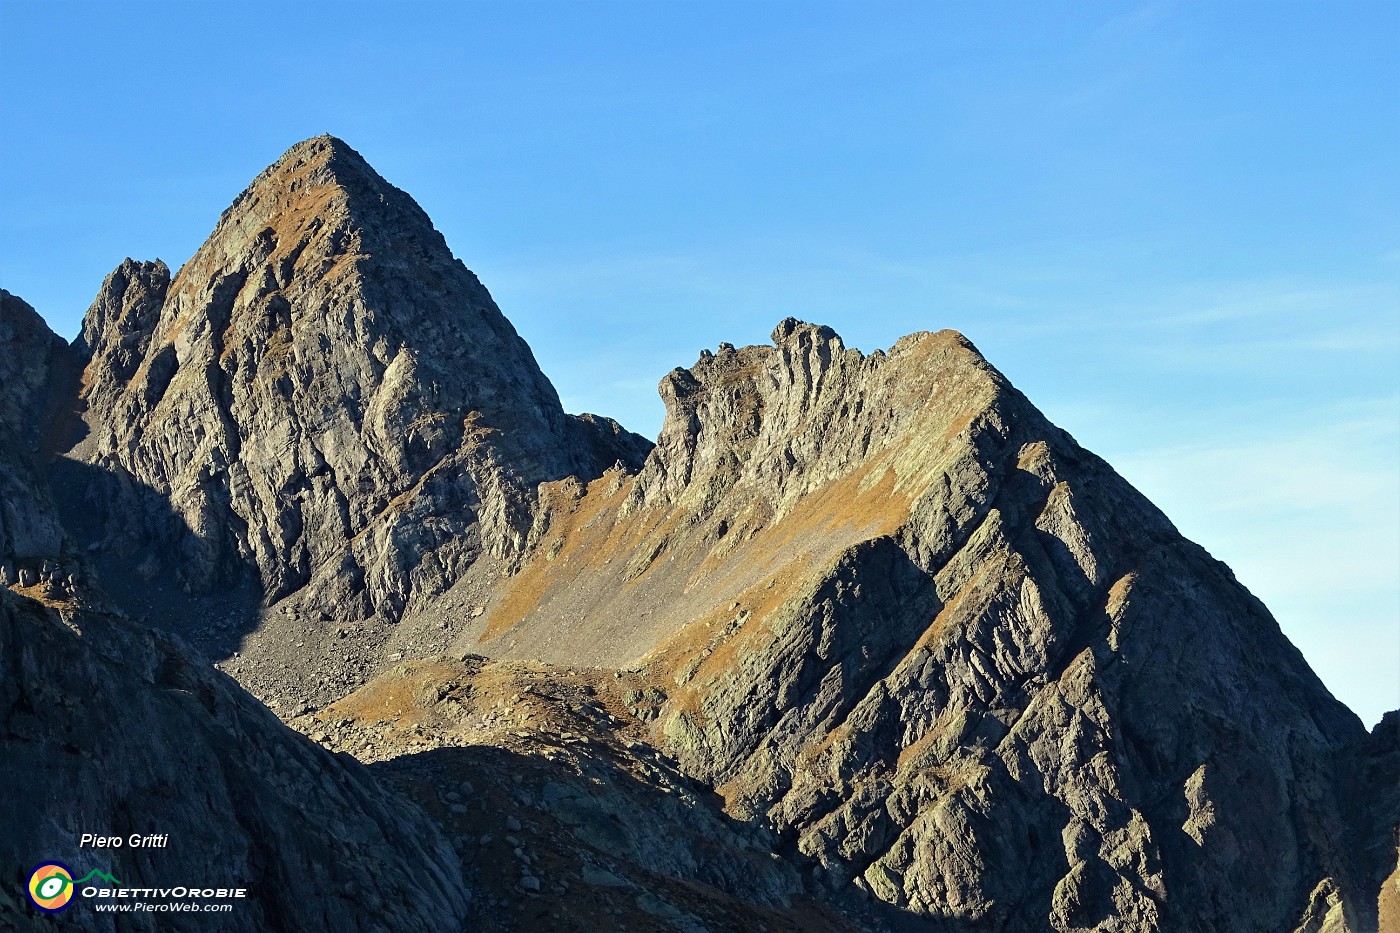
<point x="109" y="727"/>
<point x="952" y="657"/>
<point x="939" y="665"/>
<point x="322" y="406"/>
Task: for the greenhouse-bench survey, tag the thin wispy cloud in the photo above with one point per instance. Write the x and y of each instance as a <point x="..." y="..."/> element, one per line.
<point x="1305" y="507"/>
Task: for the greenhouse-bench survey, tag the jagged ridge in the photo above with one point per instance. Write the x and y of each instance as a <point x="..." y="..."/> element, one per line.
<point x="887" y="608"/>
<point x="108" y="726"/>
<point x="947" y="653"/>
<point x="323" y="401"/>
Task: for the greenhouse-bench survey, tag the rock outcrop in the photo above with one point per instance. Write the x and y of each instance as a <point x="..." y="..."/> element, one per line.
<point x="111" y="728"/>
<point x="927" y="652"/>
<point x="950" y="656"/>
<point x="108" y="727"/>
<point x="36" y="369"/>
<point x="1374" y="769"/>
<point x="566" y="818"/>
<point x="326" y="405"/>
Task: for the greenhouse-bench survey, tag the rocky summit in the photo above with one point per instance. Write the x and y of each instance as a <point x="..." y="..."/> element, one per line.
<point x="323" y="411"/>
<point x="109" y="726"/>
<point x="951" y="657"/>
<point x="863" y="642"/>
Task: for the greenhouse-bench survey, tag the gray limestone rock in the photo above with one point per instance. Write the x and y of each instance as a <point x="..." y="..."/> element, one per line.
<point x="899" y="621"/>
<point x="107" y="727"/>
<point x="323" y="401"/>
<point x="112" y="729"/>
<point x="36" y="370"/>
<point x="950" y="655"/>
<point x="35" y="361"/>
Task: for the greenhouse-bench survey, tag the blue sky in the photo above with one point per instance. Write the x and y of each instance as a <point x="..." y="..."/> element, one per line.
<point x="1175" y="226"/>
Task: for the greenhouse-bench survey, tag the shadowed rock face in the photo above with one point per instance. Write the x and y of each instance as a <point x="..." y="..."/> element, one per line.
<point x="948" y="654"/>
<point x="933" y="651"/>
<point x="110" y="727"/>
<point x="322" y="412"/>
<point x="107" y="726"/>
<point x="35" y="366"/>
<point x="35" y="362"/>
<point x="327" y="398"/>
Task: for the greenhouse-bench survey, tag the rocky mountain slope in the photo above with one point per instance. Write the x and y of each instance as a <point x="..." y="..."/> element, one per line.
<point x="323" y="411"/>
<point x="112" y="728"/>
<point x="463" y="820"/>
<point x="107" y="726"/>
<point x="35" y="369"/>
<point x="949" y="655"/>
<point x="863" y="642"/>
<point x="565" y="816"/>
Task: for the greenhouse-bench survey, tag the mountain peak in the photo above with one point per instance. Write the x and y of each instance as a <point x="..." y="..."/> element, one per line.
<point x="325" y="142"/>
<point x="36" y="357"/>
<point x="322" y="160"/>
<point x="791" y="330"/>
<point x="324" y="348"/>
<point x="321" y="187"/>
<point x="929" y="652"/>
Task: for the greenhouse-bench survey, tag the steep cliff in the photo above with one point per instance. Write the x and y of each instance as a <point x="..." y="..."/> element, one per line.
<point x="949" y="655"/>
<point x="111" y="728"/>
<point x="928" y="651"/>
<point x="323" y="408"/>
<point x="36" y="374"/>
<point x="107" y="727"/>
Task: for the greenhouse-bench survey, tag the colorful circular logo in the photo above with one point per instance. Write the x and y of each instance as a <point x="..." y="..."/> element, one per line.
<point x="51" y="886"/>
